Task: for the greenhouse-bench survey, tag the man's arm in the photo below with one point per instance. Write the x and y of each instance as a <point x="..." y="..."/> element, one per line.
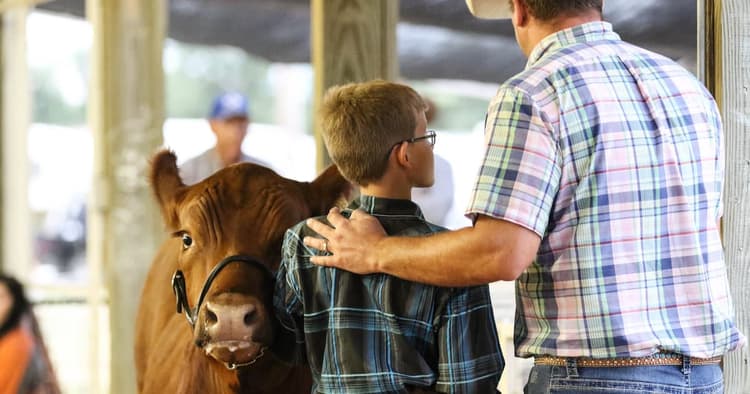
<point x="491" y="250"/>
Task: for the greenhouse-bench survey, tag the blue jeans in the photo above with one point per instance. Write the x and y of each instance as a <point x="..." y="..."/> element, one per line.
<point x="667" y="379"/>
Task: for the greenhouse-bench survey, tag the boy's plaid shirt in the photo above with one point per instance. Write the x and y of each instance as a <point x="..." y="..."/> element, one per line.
<point x="377" y="333"/>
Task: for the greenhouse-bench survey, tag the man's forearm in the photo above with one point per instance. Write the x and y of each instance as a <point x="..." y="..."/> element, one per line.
<point x="491" y="250"/>
<point x="465" y="257"/>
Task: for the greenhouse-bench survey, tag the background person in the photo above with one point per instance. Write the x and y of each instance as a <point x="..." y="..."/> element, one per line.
<point x="379" y="333"/>
<point x="600" y="194"/>
<point x="229" y="119"/>
<point x="436" y="200"/>
<point x="24" y="365"/>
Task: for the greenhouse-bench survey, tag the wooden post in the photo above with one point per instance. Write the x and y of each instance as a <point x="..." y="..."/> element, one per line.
<point x="16" y="110"/>
<point x="725" y="48"/>
<point x="352" y="41"/>
<point x="2" y="144"/>
<point x="126" y="114"/>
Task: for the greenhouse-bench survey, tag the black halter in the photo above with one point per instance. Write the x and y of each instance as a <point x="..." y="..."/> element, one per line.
<point x="180" y="290"/>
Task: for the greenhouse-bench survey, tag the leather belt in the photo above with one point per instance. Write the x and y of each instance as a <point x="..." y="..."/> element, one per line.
<point x="653" y="360"/>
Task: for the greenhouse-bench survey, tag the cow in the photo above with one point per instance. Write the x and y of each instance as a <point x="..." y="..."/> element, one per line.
<point x="217" y="269"/>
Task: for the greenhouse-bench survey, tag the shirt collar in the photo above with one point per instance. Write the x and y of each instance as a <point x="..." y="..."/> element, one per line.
<point x="587" y="32"/>
<point x="386" y="206"/>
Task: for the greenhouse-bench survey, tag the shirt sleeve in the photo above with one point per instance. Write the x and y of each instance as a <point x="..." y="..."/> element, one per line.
<point x="16" y="348"/>
<point x="470" y="359"/>
<point x="288" y="305"/>
<point x="520" y="172"/>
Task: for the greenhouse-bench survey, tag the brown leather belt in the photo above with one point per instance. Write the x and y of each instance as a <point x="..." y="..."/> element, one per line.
<point x="654" y="360"/>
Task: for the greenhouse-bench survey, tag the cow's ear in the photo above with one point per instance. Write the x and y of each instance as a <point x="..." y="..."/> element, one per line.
<point x="327" y="190"/>
<point x="167" y="185"/>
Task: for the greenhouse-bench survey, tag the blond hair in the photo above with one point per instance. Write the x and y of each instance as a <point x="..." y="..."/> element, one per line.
<point x="361" y="122"/>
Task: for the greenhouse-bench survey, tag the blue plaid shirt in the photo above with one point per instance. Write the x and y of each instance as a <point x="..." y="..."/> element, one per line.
<point x="613" y="155"/>
<point x="378" y="333"/>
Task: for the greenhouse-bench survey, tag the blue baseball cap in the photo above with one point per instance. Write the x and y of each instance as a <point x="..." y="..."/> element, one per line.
<point x="230" y="105"/>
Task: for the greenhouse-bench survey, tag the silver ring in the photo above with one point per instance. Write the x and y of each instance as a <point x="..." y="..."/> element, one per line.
<point x="325" y="246"/>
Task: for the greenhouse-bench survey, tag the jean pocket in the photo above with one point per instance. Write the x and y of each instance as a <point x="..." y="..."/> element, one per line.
<point x="589" y="385"/>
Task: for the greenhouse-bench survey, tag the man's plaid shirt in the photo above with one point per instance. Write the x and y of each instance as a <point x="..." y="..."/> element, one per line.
<point x="613" y="155"/>
<point x="377" y="333"/>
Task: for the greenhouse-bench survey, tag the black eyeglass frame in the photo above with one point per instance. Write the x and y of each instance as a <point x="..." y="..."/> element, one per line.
<point x="430" y="136"/>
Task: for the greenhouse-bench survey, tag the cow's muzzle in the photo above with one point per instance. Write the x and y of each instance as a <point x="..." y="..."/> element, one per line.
<point x="232" y="350"/>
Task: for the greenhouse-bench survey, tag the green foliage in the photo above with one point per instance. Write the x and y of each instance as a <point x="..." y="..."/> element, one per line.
<point x="456" y="110"/>
<point x="49" y="103"/>
<point x="195" y="74"/>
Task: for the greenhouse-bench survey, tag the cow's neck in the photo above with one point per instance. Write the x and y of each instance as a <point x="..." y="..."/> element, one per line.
<point x="269" y="375"/>
<point x="207" y="376"/>
<point x="266" y="376"/>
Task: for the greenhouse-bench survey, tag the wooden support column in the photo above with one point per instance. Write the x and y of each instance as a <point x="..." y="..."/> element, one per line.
<point x="16" y="111"/>
<point x="352" y="41"/>
<point x="2" y="144"/>
<point x="126" y="114"/>
<point x="724" y="43"/>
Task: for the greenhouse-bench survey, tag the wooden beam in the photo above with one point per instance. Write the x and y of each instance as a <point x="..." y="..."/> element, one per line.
<point x="126" y="114"/>
<point x="353" y="41"/>
<point x="709" y="46"/>
<point x="16" y="110"/>
<point x="2" y="144"/>
<point x="9" y="4"/>
<point x="725" y="48"/>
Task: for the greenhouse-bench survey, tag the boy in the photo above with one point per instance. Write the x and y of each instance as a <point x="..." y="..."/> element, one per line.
<point x="378" y="333"/>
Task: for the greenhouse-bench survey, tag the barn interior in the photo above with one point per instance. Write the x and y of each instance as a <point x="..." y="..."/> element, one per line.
<point x="79" y="224"/>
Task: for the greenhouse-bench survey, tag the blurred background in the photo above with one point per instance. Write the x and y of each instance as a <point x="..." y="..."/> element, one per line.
<point x="260" y="48"/>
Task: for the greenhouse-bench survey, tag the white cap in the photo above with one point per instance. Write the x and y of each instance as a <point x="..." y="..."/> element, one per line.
<point x="490" y="9"/>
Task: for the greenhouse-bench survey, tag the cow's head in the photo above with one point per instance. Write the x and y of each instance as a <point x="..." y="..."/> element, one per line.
<point x="242" y="210"/>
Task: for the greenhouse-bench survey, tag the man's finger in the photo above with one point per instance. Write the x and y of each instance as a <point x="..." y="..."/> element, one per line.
<point x="316" y="243"/>
<point x="324" y="261"/>
<point x="319" y="227"/>
<point x="335" y="218"/>
<point x="358" y="214"/>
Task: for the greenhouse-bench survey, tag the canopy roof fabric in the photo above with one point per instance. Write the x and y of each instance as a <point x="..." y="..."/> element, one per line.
<point x="436" y="38"/>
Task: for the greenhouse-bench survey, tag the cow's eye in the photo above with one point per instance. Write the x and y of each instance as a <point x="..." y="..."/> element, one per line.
<point x="186" y="241"/>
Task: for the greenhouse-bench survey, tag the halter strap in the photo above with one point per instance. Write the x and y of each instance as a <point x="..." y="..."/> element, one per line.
<point x="180" y="289"/>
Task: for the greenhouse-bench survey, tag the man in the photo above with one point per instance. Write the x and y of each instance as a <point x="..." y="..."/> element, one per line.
<point x="436" y="201"/>
<point x="600" y="194"/>
<point x="229" y="119"/>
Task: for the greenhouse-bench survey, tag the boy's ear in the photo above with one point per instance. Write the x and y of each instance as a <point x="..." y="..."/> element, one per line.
<point x="402" y="154"/>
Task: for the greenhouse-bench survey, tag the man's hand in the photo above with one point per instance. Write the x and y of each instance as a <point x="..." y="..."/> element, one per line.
<point x="352" y="241"/>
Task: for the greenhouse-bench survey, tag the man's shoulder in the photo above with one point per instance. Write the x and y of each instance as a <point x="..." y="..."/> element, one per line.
<point x="199" y="167"/>
<point x="205" y="161"/>
<point x="201" y="158"/>
<point x="251" y="159"/>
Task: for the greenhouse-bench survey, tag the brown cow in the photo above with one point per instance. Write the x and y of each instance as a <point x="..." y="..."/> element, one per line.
<point x="226" y="233"/>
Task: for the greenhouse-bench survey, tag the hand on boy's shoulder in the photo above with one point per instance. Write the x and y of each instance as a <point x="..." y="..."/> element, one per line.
<point x="349" y="240"/>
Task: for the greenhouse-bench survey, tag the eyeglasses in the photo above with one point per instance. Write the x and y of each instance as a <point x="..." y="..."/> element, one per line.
<point x="430" y="136"/>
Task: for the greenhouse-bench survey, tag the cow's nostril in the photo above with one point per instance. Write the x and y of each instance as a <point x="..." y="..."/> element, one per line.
<point x="211" y="318"/>
<point x="249" y="318"/>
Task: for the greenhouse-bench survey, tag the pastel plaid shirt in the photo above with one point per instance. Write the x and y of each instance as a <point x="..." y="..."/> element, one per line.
<point x="378" y="333"/>
<point x="613" y="156"/>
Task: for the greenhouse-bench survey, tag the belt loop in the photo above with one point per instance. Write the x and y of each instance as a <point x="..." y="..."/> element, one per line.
<point x="571" y="367"/>
<point x="685" y="365"/>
